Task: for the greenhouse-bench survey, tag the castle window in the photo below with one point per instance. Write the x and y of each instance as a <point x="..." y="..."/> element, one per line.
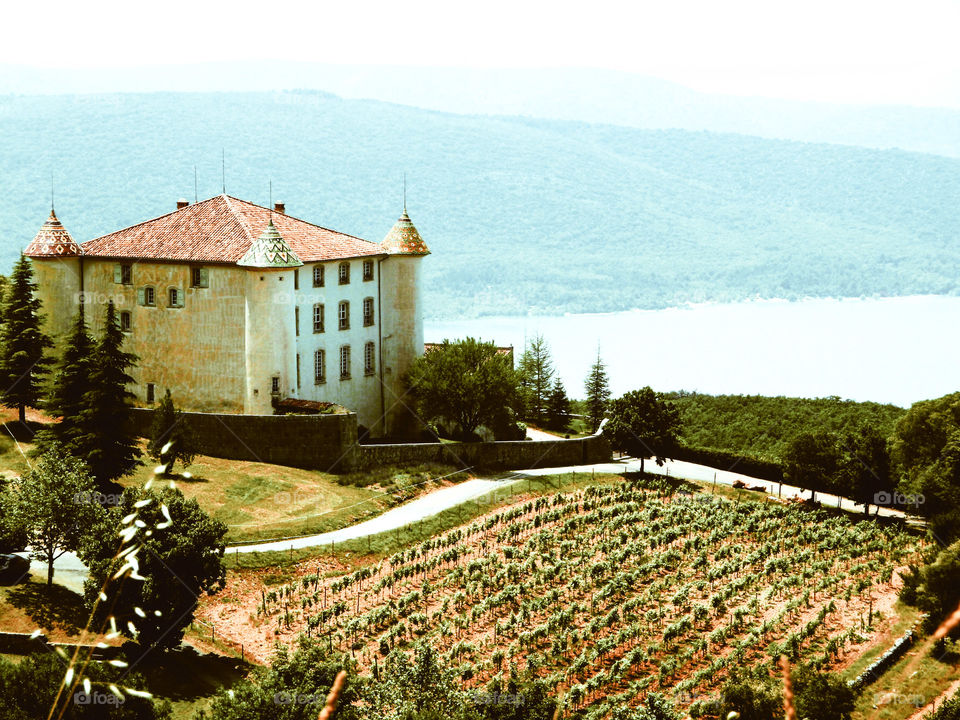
<point x="275" y="384"/>
<point x="125" y="320"/>
<point x="345" y="362"/>
<point x="369" y="358"/>
<point x="199" y="277"/>
<point x="344" y="272"/>
<point x="296" y="279"/>
<point x="319" y="367"/>
<point x="344" y="315"/>
<point x="147" y="296"/>
<point x="318" y="275"/>
<point x="367" y="311"/>
<point x="123" y="274"/>
<point x="298" y="371"/>
<point x="151" y="393"/>
<point x="175" y="298"/>
<point x="318" y="318"/>
<point x="367" y="270"/>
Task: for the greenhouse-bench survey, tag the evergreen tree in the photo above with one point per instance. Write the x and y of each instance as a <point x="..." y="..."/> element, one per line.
<point x="558" y="407"/>
<point x="536" y="372"/>
<point x="170" y="437"/>
<point x="22" y="360"/>
<point x="105" y="437"/>
<point x="71" y="383"/>
<point x="598" y="393"/>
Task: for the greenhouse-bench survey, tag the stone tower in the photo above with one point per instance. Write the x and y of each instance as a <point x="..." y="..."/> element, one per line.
<point x="58" y="272"/>
<point x="402" y="306"/>
<point x="270" y="342"/>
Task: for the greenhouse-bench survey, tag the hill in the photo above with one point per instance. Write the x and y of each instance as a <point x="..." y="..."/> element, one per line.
<point x="522" y="215"/>
<point x="761" y="427"/>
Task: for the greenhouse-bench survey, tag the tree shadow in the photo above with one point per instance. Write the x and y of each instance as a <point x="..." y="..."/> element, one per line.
<point x="50" y="606"/>
<point x="185" y="674"/>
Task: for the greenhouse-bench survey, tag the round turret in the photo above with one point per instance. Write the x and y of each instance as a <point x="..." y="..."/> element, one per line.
<point x="403" y="238"/>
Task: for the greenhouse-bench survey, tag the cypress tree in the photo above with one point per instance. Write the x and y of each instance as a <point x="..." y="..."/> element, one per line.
<point x="170" y="438"/>
<point x="105" y="437"/>
<point x="22" y="359"/>
<point x="598" y="393"/>
<point x="71" y="383"/>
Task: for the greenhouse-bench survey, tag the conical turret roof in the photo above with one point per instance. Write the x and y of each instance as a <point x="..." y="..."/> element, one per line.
<point x="53" y="240"/>
<point x="270" y="250"/>
<point x="403" y="238"/>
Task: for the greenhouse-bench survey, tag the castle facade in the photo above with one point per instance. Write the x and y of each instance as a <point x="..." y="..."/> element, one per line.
<point x="237" y="308"/>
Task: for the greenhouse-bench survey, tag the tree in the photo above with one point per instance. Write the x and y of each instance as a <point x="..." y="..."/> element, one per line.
<point x="865" y="466"/>
<point x="105" y="438"/>
<point x="179" y="562"/>
<point x="536" y="371"/>
<point x="22" y="342"/>
<point x="598" y="393"/>
<point x="753" y="696"/>
<point x="821" y="696"/>
<point x="811" y="461"/>
<point x="170" y="437"/>
<point x="56" y="505"/>
<point x="71" y="383"/>
<point x="558" y="407"/>
<point x="644" y="423"/>
<point x="938" y="592"/>
<point x="12" y="535"/>
<point x="30" y="686"/>
<point x="467" y="382"/>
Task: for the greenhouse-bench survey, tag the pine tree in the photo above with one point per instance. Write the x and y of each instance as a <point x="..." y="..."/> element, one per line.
<point x="558" y="407"/>
<point x="598" y="393"/>
<point x="105" y="439"/>
<point x="536" y="372"/>
<point x="170" y="437"/>
<point x="22" y="359"/>
<point x="71" y="383"/>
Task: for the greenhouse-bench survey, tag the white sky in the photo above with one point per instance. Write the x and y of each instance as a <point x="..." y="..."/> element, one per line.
<point x="906" y="51"/>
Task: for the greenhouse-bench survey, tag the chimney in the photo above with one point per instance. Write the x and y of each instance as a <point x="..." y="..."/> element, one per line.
<point x="279" y="207"/>
<point x="181" y="204"/>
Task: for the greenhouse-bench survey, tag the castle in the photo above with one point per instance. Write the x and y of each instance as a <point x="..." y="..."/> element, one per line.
<point x="236" y="308"/>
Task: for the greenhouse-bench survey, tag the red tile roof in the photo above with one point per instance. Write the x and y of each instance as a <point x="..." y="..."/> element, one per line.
<point x="53" y="240"/>
<point x="221" y="230"/>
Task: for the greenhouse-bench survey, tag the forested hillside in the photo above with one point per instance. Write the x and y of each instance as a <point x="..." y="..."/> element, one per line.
<point x="761" y="427"/>
<point x="522" y="215"/>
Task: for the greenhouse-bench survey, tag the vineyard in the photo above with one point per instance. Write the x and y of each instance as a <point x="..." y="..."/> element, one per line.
<point x="613" y="591"/>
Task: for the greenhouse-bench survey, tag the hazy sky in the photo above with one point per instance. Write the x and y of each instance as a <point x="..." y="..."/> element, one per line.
<point x="837" y="50"/>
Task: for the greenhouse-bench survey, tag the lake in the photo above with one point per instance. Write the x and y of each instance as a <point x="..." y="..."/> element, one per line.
<point x="895" y="350"/>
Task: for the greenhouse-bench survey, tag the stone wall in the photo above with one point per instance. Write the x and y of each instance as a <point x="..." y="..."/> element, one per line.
<point x="514" y="455"/>
<point x="315" y="442"/>
<point x="329" y="442"/>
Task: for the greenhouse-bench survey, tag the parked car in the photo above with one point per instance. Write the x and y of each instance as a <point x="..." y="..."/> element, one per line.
<point x="13" y="569"/>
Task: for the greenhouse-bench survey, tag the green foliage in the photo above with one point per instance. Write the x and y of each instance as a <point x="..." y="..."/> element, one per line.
<point x="535" y="371"/>
<point x="29" y="689"/>
<point x="755" y="697"/>
<point x="811" y="461"/>
<point x="181" y="560"/>
<point x="171" y="440"/>
<point x="105" y="437"/>
<point x="70" y="384"/>
<point x="597" y="389"/>
<point x="864" y="465"/>
<point x="645" y="424"/>
<point x="22" y="342"/>
<point x="926" y="459"/>
<point x="56" y="505"/>
<point x="667" y="217"/>
<point x="949" y="710"/>
<point x="13" y="537"/>
<point x="821" y="696"/>
<point x="558" y="408"/>
<point x="466" y="382"/>
<point x="934" y="587"/>
<point x="761" y="427"/>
